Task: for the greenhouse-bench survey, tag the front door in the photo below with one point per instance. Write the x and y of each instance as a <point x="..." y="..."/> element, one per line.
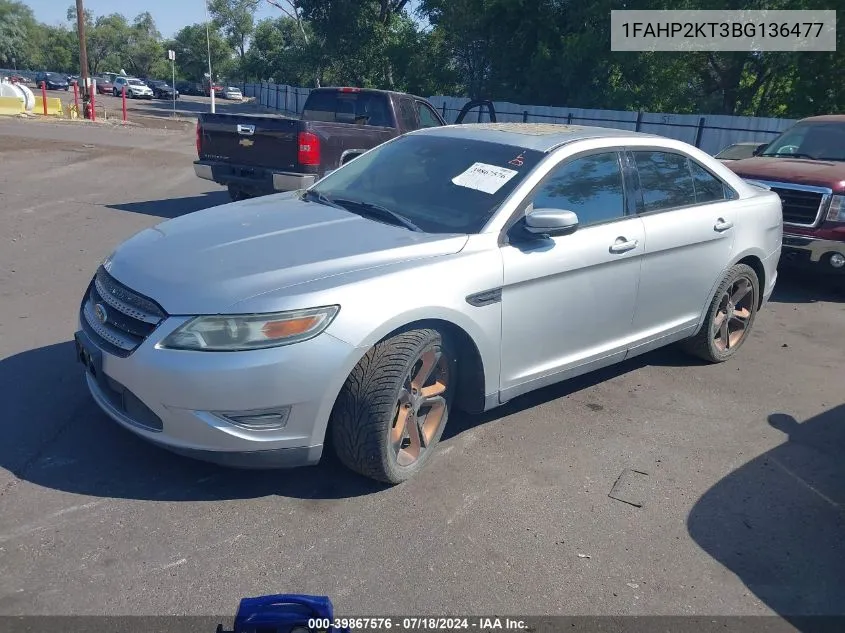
<point x="568" y="301"/>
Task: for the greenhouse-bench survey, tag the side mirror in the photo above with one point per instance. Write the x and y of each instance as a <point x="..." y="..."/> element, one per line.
<point x="550" y="222"/>
<point x="759" y="149"/>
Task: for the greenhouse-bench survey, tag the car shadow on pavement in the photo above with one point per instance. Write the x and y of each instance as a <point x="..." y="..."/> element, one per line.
<point x="58" y="438"/>
<point x="778" y="521"/>
<point x="670" y="356"/>
<point x="798" y="286"/>
<point x="174" y="207"/>
<point x="55" y="436"/>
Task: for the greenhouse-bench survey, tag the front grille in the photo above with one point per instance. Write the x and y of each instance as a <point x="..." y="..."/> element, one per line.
<point x="799" y="206"/>
<point x="116" y="318"/>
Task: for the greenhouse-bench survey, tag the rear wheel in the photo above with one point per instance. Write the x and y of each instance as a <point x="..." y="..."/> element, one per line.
<point x="394" y="406"/>
<point x="237" y="194"/>
<point x="730" y="316"/>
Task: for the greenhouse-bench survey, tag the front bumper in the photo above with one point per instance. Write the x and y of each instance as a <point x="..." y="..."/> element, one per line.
<point x="256" y="180"/>
<point x="169" y="397"/>
<point x="810" y="252"/>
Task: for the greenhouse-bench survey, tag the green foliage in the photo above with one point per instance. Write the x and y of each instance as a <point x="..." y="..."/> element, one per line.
<point x="236" y="18"/>
<point x="539" y="52"/>
<point x="191" y="46"/>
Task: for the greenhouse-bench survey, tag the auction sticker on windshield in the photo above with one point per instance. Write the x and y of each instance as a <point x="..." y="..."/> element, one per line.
<point x="484" y="177"/>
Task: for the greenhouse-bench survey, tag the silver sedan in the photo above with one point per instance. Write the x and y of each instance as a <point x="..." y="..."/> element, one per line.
<point x="452" y="268"/>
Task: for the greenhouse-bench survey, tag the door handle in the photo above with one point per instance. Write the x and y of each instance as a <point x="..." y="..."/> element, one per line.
<point x="622" y="245"/>
<point x="721" y="225"/>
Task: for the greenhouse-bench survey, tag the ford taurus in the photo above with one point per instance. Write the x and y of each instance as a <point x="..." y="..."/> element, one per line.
<point x="452" y="268"/>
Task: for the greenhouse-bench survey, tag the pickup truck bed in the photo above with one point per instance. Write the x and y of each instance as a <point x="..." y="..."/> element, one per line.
<point x="260" y="154"/>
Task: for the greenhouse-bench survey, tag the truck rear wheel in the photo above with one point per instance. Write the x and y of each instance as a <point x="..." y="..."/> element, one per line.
<point x="237" y="194"/>
<point x="394" y="406"/>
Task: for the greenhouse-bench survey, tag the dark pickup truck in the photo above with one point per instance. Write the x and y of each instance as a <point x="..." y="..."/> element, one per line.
<point x="261" y="154"/>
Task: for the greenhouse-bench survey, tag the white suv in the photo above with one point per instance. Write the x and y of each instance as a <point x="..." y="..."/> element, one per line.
<point x="135" y="88"/>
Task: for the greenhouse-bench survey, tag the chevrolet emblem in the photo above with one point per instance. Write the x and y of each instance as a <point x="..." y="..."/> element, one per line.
<point x="247" y="142"/>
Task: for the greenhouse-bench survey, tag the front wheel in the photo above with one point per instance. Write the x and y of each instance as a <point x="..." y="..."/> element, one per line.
<point x="394" y="406"/>
<point x="730" y="316"/>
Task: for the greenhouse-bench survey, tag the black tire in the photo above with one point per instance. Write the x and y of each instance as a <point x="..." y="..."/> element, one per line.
<point x="381" y="403"/>
<point x="716" y="342"/>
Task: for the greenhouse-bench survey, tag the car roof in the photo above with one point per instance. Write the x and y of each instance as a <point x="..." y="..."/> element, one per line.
<point x="825" y="118"/>
<point x="542" y="137"/>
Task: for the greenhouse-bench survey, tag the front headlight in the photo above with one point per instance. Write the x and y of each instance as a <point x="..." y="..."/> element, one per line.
<point x="836" y="212"/>
<point x="238" y="332"/>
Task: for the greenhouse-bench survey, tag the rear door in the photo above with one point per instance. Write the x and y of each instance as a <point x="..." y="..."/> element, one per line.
<point x="259" y="141"/>
<point x="689" y="218"/>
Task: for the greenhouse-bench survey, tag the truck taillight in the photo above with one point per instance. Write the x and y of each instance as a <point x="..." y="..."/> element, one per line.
<point x="309" y="149"/>
<point x="199" y="139"/>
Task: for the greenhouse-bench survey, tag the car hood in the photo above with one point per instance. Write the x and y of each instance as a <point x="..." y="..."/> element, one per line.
<point x="204" y="262"/>
<point x="801" y="171"/>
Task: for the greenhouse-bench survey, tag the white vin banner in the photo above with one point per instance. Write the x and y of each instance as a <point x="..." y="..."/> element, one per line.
<point x="723" y="30"/>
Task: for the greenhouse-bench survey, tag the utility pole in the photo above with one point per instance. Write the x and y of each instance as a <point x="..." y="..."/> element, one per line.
<point x="208" y="41"/>
<point x="83" y="54"/>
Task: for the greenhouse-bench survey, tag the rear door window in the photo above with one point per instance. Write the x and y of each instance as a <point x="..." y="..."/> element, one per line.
<point x="665" y="180"/>
<point x="407" y="115"/>
<point x="428" y="118"/>
<point x="348" y="107"/>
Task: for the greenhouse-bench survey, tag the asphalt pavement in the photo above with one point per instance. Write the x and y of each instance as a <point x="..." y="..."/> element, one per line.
<point x="731" y="482"/>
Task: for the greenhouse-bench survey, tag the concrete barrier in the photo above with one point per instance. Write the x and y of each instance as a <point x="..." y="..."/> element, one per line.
<point x="54" y="106"/>
<point x="11" y="106"/>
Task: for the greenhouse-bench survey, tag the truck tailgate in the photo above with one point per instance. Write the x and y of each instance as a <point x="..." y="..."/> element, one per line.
<point x="251" y="140"/>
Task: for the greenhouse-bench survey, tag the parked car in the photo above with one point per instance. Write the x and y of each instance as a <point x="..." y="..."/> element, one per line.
<point x="261" y="154"/>
<point x="53" y="81"/>
<point x="739" y="151"/>
<point x="453" y="267"/>
<point x="162" y="90"/>
<point x="233" y="93"/>
<point x="805" y="166"/>
<point x="104" y="86"/>
<point x="135" y="88"/>
<point x="189" y="88"/>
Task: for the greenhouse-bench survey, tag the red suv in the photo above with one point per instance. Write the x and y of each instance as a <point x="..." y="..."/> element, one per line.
<point x="805" y="166"/>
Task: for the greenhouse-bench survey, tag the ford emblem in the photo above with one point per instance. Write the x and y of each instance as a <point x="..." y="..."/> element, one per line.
<point x="100" y="312"/>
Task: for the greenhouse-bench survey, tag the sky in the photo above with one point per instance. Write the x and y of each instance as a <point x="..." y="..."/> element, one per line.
<point x="170" y="15"/>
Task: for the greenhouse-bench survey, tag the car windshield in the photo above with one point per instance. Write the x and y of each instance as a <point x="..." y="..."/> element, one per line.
<point x="738" y="151"/>
<point x="440" y="184"/>
<point x="230" y="88"/>
<point x="54" y="76"/>
<point x="813" y="140"/>
<point x="135" y="82"/>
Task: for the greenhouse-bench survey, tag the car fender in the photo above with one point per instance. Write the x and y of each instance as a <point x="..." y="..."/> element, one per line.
<point x="754" y="251"/>
<point x="487" y="346"/>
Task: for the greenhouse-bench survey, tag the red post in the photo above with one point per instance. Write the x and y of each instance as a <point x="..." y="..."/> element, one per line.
<point x="44" y="96"/>
<point x="76" y="96"/>
<point x="124" y="104"/>
<point x="93" y="95"/>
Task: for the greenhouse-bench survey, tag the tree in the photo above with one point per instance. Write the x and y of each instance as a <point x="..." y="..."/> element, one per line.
<point x="107" y="40"/>
<point x="237" y="20"/>
<point x="144" y="53"/>
<point x="192" y="52"/>
<point x="16" y="24"/>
